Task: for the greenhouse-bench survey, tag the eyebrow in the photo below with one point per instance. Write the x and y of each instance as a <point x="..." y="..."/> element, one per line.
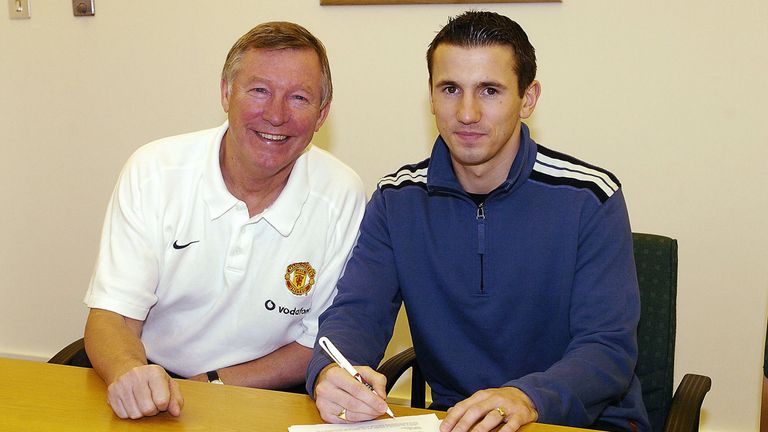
<point x="481" y="84"/>
<point x="492" y="84"/>
<point x="446" y="83"/>
<point x="251" y="80"/>
<point x="259" y="79"/>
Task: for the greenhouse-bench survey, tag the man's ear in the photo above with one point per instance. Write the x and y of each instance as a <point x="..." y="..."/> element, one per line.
<point x="224" y="95"/>
<point x="530" y="98"/>
<point x="431" y="103"/>
<point x="323" y="115"/>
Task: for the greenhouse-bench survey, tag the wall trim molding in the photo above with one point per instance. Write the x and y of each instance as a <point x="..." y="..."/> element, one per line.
<point x="30" y="357"/>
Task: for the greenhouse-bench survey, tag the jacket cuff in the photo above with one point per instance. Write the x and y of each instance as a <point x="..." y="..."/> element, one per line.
<point x="314" y="368"/>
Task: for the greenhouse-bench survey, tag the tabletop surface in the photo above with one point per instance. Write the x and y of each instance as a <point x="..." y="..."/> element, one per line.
<point x="46" y="397"/>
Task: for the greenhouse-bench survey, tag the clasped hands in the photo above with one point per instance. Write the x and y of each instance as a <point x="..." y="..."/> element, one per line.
<point x="340" y="399"/>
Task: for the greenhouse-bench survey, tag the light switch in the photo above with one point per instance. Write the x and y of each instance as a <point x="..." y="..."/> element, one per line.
<point x="18" y="9"/>
<point x="83" y="7"/>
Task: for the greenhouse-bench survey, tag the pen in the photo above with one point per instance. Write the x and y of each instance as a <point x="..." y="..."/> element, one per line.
<point x="340" y="360"/>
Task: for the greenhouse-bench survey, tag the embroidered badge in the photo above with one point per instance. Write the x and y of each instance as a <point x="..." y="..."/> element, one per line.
<point x="299" y="278"/>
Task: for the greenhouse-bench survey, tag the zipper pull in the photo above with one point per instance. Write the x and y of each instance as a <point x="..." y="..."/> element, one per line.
<point x="481" y="229"/>
<point x="481" y="243"/>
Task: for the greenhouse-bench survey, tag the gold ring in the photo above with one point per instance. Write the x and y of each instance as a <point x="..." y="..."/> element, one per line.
<point x="343" y="414"/>
<point x="501" y="412"/>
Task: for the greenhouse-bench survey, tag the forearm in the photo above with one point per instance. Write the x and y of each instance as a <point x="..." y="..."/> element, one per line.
<point x="284" y="367"/>
<point x="578" y="388"/>
<point x="113" y="344"/>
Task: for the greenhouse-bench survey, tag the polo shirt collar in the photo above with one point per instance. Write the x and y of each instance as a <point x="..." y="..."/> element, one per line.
<point x="216" y="194"/>
<point x="282" y="214"/>
<point x="285" y="211"/>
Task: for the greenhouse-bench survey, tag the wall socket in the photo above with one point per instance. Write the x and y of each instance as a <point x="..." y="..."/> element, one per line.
<point x="18" y="9"/>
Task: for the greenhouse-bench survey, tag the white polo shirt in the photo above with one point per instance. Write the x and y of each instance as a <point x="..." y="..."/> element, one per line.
<point x="214" y="286"/>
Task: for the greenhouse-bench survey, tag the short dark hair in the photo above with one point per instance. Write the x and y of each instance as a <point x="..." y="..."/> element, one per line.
<point x="479" y="29"/>
<point x="278" y="35"/>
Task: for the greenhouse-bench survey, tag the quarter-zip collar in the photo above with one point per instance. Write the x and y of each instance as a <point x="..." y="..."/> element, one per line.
<point x="441" y="177"/>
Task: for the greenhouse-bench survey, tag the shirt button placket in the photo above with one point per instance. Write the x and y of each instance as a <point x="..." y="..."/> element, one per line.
<point x="237" y="252"/>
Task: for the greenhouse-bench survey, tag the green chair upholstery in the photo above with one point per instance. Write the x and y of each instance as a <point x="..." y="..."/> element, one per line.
<point x="656" y="262"/>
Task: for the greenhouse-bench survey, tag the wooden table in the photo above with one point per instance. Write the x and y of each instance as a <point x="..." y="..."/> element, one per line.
<point x="46" y="397"/>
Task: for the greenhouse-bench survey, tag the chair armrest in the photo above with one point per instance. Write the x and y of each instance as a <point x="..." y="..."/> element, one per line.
<point x="395" y="366"/>
<point x="72" y="355"/>
<point x="685" y="409"/>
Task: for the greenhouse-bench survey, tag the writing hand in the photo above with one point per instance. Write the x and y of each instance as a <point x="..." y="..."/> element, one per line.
<point x="337" y="390"/>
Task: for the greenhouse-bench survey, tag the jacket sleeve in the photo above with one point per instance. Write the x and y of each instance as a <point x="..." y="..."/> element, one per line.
<point x="362" y="316"/>
<point x="598" y="364"/>
<point x="338" y="247"/>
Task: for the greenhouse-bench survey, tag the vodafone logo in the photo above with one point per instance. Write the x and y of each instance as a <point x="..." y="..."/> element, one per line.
<point x="272" y="306"/>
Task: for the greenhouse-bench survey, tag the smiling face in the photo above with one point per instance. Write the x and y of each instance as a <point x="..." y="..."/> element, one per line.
<point x="274" y="108"/>
<point x="478" y="109"/>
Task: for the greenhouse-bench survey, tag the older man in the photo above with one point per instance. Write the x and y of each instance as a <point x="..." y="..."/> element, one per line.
<point x="222" y="247"/>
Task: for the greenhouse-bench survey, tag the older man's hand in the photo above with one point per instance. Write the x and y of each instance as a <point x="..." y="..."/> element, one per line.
<point x="144" y="391"/>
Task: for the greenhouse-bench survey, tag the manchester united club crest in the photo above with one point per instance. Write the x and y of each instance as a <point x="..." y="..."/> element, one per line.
<point x="299" y="278"/>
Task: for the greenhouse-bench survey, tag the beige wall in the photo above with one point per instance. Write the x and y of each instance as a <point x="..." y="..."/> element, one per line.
<point x="670" y="95"/>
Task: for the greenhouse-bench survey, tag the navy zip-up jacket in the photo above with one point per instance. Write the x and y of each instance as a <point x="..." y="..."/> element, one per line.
<point x="535" y="288"/>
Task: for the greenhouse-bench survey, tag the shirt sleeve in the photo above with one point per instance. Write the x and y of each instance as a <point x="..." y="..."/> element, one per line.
<point x="362" y="317"/>
<point x="598" y="365"/>
<point x="126" y="272"/>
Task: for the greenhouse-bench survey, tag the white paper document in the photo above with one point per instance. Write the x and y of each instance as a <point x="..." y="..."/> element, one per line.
<point x="419" y="423"/>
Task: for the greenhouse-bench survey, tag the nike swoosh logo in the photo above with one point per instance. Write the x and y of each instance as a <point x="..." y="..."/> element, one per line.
<point x="176" y="244"/>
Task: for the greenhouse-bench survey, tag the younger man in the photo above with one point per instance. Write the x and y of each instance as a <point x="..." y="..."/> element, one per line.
<point x="514" y="262"/>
